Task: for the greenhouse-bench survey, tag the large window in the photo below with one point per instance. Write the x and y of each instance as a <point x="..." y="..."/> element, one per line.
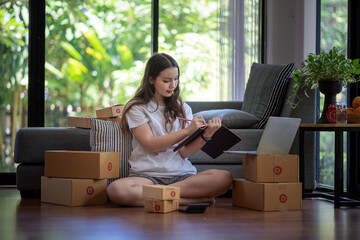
<point x="14" y="77"/>
<point x="333" y="32"/>
<point x="95" y="52"/>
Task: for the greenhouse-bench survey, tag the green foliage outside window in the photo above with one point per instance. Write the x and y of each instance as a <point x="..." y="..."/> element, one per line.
<point x="13" y="76"/>
<point x="96" y="51"/>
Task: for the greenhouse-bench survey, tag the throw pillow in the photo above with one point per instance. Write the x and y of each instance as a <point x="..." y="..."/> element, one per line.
<point x="107" y="136"/>
<point x="265" y="90"/>
<point x="232" y="118"/>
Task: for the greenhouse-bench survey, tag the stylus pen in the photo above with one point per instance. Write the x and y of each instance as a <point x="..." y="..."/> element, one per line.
<point x="185" y="119"/>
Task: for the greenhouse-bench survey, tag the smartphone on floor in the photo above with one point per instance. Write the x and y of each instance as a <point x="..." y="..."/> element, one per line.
<point x="194" y="208"/>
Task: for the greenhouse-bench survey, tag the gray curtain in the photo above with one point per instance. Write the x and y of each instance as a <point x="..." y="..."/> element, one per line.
<point x="239" y="31"/>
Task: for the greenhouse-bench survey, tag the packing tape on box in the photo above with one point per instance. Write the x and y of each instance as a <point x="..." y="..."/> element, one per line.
<point x="283" y="198"/>
<point x="283" y="205"/>
<point x="283" y="208"/>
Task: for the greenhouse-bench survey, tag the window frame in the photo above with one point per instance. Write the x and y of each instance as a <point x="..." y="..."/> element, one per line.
<point x="353" y="178"/>
<point x="36" y="87"/>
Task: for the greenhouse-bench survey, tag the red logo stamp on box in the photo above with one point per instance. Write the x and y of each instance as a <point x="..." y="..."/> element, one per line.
<point x="90" y="190"/>
<point x="283" y="198"/>
<point x="109" y="166"/>
<point x="277" y="170"/>
<point x="157" y="207"/>
<point x="173" y="193"/>
<point x="118" y="110"/>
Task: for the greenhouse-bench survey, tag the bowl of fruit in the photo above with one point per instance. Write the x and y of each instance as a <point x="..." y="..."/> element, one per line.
<point x="353" y="113"/>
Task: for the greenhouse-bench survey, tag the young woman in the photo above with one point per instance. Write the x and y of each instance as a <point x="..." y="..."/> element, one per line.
<point x="153" y="116"/>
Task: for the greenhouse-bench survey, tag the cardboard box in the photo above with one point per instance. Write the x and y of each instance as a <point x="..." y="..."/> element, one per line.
<point x="160" y="206"/>
<point x="267" y="196"/>
<point x="82" y="164"/>
<point x="161" y="192"/>
<point x="112" y="111"/>
<point x="271" y="168"/>
<point x="73" y="192"/>
<point x="84" y="122"/>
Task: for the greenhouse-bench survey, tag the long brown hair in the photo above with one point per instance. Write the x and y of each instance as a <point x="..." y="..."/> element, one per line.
<point x="146" y="91"/>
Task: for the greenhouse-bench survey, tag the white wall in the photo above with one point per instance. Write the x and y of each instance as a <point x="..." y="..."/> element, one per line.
<point x="310" y="27"/>
<point x="291" y="30"/>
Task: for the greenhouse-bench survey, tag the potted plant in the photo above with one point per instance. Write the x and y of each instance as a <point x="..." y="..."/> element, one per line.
<point x="330" y="71"/>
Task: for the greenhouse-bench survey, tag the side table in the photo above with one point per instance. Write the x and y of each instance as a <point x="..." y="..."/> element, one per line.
<point x="339" y="129"/>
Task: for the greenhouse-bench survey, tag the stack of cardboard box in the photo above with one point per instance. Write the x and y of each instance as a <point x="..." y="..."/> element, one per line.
<point x="108" y="114"/>
<point x="271" y="183"/>
<point x="78" y="178"/>
<point x="161" y="198"/>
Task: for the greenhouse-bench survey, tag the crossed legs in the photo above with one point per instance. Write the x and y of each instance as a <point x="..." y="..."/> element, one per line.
<point x="201" y="187"/>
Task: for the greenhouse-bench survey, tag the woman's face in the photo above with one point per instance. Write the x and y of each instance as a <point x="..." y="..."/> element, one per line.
<point x="165" y="83"/>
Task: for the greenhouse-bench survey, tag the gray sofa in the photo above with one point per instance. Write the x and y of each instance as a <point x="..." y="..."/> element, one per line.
<point x="31" y="144"/>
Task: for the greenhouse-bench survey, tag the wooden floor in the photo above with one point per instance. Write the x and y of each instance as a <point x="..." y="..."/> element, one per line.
<point x="31" y="219"/>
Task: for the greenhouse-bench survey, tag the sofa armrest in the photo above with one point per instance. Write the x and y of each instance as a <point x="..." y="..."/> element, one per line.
<point x="31" y="143"/>
<point x="202" y="106"/>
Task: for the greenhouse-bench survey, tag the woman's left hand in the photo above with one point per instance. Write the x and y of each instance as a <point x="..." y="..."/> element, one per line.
<point x="213" y="125"/>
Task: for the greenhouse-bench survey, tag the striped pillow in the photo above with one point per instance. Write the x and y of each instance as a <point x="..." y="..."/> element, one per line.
<point x="106" y="136"/>
<point x="265" y="90"/>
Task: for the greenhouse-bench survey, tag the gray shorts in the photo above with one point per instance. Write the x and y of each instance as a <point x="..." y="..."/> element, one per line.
<point x="163" y="180"/>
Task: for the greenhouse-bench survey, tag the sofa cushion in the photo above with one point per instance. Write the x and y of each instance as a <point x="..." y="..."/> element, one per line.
<point x="232" y="118"/>
<point x="107" y="136"/>
<point x="265" y="90"/>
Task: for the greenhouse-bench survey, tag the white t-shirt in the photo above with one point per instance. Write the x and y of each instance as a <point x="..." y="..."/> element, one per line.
<point x="165" y="163"/>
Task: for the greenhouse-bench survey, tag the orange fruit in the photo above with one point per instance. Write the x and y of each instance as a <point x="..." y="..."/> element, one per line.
<point x="357" y="110"/>
<point x="350" y="111"/>
<point x="356" y="102"/>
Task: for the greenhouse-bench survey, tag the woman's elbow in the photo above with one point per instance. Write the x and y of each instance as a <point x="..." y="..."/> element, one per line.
<point x="149" y="146"/>
<point x="151" y="149"/>
<point x="184" y="154"/>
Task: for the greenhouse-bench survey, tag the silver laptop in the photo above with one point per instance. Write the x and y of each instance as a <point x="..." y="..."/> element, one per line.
<point x="277" y="138"/>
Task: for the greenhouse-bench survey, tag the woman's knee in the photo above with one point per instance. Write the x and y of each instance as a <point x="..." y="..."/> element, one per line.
<point x="222" y="177"/>
<point x="222" y="174"/>
<point x="227" y="177"/>
<point x="116" y="193"/>
<point x="223" y="181"/>
<point x="111" y="191"/>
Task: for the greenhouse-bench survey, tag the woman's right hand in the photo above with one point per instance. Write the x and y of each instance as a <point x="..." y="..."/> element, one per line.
<point x="196" y="123"/>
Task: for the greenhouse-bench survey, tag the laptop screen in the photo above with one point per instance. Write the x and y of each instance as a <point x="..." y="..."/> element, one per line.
<point x="278" y="135"/>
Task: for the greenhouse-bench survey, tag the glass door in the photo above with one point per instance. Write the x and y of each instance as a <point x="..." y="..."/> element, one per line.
<point x="333" y="32"/>
<point x="14" y="78"/>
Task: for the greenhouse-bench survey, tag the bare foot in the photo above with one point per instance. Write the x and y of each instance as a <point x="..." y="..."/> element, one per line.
<point x="212" y="202"/>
